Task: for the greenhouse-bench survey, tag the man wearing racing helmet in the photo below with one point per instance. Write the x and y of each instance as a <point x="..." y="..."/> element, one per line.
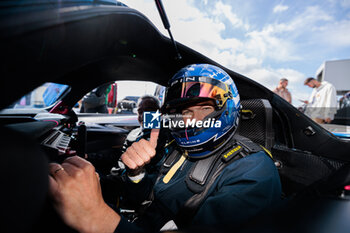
<point x="211" y="179"/>
<point x="191" y="86"/>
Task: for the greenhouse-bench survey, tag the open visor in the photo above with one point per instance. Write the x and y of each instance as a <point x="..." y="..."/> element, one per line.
<point x="192" y="89"/>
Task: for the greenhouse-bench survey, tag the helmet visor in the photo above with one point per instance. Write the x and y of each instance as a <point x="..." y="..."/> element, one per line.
<point x="188" y="89"/>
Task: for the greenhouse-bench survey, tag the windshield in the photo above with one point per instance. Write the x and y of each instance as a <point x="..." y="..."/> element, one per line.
<point x="119" y="97"/>
<point x="41" y="97"/>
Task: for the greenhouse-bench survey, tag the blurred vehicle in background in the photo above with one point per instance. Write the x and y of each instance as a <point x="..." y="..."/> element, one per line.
<point x="128" y="105"/>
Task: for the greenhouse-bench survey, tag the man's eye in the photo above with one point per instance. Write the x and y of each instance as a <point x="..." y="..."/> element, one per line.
<point x="207" y="108"/>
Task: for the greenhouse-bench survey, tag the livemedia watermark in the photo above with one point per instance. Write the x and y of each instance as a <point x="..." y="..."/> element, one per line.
<point x="154" y="120"/>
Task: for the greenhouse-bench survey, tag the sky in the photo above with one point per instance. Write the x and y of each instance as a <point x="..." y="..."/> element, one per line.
<point x="263" y="40"/>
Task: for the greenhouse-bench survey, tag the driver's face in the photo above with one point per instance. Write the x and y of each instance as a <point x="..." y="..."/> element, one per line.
<point x="198" y="111"/>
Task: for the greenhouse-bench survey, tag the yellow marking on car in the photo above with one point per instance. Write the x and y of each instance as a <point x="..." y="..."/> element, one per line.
<point x="267" y="151"/>
<point x="247" y="111"/>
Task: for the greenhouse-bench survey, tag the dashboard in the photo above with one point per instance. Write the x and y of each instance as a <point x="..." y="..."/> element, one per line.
<point x="61" y="136"/>
<point x="57" y="140"/>
<point x="54" y="132"/>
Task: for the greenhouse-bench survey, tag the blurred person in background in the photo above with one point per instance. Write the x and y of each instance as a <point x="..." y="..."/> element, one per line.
<point x="282" y="90"/>
<point x="322" y="104"/>
<point x="146" y="103"/>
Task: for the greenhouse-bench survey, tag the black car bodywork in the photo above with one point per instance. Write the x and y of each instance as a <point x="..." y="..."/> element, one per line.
<point x="86" y="45"/>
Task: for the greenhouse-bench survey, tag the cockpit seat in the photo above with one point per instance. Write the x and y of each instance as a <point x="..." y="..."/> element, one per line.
<point x="256" y="122"/>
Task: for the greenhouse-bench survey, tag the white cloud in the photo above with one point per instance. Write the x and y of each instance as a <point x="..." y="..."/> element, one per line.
<point x="267" y="77"/>
<point x="243" y="64"/>
<point x="280" y="8"/>
<point x="336" y="34"/>
<point x="201" y="32"/>
<point x="310" y="19"/>
<point x="278" y="41"/>
<point x="270" y="78"/>
<point x="294" y="77"/>
<point x="313" y="16"/>
<point x="266" y="44"/>
<point x="226" y="10"/>
<point x="345" y="3"/>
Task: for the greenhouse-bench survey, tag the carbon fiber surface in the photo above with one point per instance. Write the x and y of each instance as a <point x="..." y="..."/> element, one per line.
<point x="256" y="122"/>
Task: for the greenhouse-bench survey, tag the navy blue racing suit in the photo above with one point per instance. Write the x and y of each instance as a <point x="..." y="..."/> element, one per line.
<point x="245" y="188"/>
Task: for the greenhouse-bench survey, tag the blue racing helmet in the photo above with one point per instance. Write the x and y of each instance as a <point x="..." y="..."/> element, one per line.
<point x="192" y="85"/>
